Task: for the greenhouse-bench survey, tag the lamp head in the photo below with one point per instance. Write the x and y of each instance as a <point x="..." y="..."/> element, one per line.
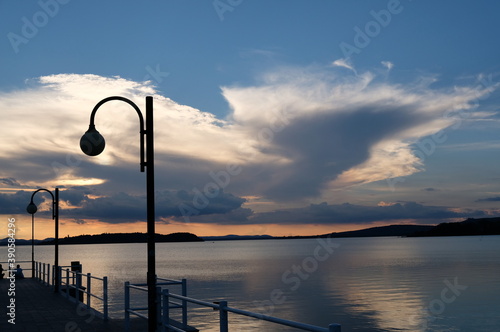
<point x="92" y="143"/>
<point x="31" y="208"/>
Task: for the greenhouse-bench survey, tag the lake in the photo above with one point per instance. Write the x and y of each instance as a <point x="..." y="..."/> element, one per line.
<point x="366" y="284"/>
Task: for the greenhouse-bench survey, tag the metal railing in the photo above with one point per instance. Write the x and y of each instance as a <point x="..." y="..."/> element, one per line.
<point x="142" y="287"/>
<point x="166" y="304"/>
<point x="7" y="265"/>
<point x="223" y="315"/>
<point x="73" y="286"/>
<point x="42" y="273"/>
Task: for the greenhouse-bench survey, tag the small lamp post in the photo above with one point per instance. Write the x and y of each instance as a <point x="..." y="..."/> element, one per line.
<point x="92" y="143"/>
<point x="31" y="209"/>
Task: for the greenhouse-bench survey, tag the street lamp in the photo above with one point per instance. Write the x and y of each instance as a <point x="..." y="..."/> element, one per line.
<point x="31" y="209"/>
<point x="92" y="143"/>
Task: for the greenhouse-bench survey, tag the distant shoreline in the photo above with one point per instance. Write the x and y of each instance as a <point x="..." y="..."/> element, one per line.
<point x="469" y="227"/>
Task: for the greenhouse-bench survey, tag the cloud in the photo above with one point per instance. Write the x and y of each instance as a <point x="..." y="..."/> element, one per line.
<point x="345" y="63"/>
<point x="387" y="64"/>
<point x="297" y="133"/>
<point x="122" y="207"/>
<point x="319" y="130"/>
<point x="489" y="199"/>
<point x="78" y="221"/>
<point x="10" y="182"/>
<point x="15" y="203"/>
<point x="346" y="213"/>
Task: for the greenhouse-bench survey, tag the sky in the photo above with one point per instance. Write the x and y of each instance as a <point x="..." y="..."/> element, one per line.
<point x="271" y="117"/>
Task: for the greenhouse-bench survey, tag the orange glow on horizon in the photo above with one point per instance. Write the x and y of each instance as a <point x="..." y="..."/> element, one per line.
<point x="44" y="228"/>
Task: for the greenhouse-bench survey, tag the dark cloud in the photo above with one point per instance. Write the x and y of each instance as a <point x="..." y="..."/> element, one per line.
<point x="11" y="182"/>
<point x="123" y="207"/>
<point x="79" y="221"/>
<point x="489" y="199"/>
<point x="239" y="216"/>
<point x="321" y="147"/>
<point x="430" y="189"/>
<point x="349" y="213"/>
<point x="14" y="203"/>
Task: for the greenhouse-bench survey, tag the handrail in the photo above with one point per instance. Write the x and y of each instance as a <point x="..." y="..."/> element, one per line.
<point x="166" y="304"/>
<point x="42" y="273"/>
<point x="224" y="309"/>
<point x="159" y="282"/>
<point x="76" y="276"/>
<point x="17" y="262"/>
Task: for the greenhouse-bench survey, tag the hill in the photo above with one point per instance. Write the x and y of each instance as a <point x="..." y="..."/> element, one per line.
<point x="471" y="226"/>
<point x="237" y="237"/>
<point x="125" y="238"/>
<point x="392" y="230"/>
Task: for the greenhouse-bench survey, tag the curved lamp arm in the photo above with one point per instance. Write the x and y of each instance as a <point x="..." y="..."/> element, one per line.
<point x="92" y="143"/>
<point x="32" y="206"/>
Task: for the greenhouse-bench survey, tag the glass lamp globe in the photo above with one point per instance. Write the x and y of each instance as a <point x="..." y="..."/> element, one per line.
<point x="31" y="208"/>
<point x="92" y="143"/>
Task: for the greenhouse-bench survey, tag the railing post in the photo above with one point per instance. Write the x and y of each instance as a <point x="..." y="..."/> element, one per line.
<point x="43" y="273"/>
<point x="334" y="328"/>
<point x="127" y="306"/>
<point x="78" y="285"/>
<point x="67" y="283"/>
<point x="59" y="275"/>
<point x="105" y="297"/>
<point x="166" y="311"/>
<point x="223" y="316"/>
<point x="89" y="288"/>
<point x="184" y="304"/>
<point x="158" y="307"/>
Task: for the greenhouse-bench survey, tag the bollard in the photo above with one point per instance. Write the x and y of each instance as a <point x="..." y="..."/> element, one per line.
<point x="184" y="304"/>
<point x="166" y="310"/>
<point x="334" y="328"/>
<point x="105" y="296"/>
<point x="223" y="316"/>
<point x="127" y="306"/>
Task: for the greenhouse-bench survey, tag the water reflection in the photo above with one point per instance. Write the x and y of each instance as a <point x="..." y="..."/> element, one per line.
<point x="370" y="284"/>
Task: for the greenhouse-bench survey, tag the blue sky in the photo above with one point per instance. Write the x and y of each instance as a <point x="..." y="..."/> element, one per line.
<point x="331" y="115"/>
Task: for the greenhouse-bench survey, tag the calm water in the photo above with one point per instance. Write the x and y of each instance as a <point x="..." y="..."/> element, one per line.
<point x="365" y="284"/>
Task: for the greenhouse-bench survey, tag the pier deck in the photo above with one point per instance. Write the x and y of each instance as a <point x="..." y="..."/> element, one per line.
<point x="39" y="309"/>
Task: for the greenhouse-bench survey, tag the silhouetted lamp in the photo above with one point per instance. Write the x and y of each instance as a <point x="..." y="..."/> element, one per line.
<point x="31" y="209"/>
<point x="92" y="143"/>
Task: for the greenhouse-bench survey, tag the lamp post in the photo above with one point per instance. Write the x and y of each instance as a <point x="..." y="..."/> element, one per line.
<point x="92" y="143"/>
<point x="31" y="209"/>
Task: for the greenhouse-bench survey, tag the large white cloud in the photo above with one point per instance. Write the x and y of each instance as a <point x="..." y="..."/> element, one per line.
<point x="321" y="130"/>
<point x="295" y="134"/>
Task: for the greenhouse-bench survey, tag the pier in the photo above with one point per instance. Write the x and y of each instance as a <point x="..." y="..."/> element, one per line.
<point x="38" y="308"/>
<point x="32" y="304"/>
